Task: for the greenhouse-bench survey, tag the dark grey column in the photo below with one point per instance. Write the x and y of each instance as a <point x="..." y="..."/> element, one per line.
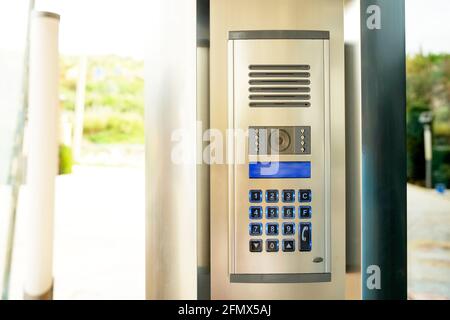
<point x="383" y="149"/>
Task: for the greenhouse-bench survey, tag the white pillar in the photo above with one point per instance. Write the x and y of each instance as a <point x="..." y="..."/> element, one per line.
<point x="42" y="154"/>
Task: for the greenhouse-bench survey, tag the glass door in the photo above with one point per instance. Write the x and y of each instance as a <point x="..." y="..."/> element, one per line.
<point x="14" y="17"/>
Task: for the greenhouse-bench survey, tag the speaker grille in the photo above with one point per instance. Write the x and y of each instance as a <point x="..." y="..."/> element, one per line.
<point x="279" y="85"/>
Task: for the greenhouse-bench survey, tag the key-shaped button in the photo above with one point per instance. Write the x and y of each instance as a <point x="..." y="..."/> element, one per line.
<point x="305" y="236"/>
<point x="272" y="212"/>
<point x="272" y="245"/>
<point x="272" y="196"/>
<point x="305" y="212"/>
<point x="288" y="195"/>
<point x="288" y="212"/>
<point x="272" y="229"/>
<point x="255" y="196"/>
<point x="288" y="228"/>
<point x="288" y="245"/>
<point x="305" y="195"/>
<point x="255" y="229"/>
<point x="255" y="213"/>
<point x="255" y="245"/>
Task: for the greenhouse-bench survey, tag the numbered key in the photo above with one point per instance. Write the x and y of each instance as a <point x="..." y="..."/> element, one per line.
<point x="272" y="245"/>
<point x="272" y="196"/>
<point x="288" y="195"/>
<point x="288" y="229"/>
<point x="272" y="229"/>
<point x="255" y="229"/>
<point x="255" y="213"/>
<point x="288" y="212"/>
<point x="271" y="212"/>
<point x="255" y="196"/>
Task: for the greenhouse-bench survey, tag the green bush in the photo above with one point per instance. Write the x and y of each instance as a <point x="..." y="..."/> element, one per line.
<point x="65" y="159"/>
<point x="441" y="165"/>
<point x="105" y="126"/>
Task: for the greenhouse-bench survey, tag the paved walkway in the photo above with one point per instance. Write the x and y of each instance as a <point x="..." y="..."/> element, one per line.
<point x="428" y="244"/>
<point x="99" y="235"/>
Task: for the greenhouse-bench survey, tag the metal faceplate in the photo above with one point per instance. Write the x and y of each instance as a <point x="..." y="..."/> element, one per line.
<point x="276" y="62"/>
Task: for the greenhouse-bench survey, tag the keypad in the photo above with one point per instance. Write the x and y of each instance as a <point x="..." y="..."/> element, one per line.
<point x="278" y="225"/>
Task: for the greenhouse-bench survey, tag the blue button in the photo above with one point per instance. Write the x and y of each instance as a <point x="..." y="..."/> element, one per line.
<point x="255" y="196"/>
<point x="288" y="195"/>
<point x="255" y="213"/>
<point x="288" y="245"/>
<point x="272" y="229"/>
<point x="305" y="212"/>
<point x="305" y="236"/>
<point x="255" y="245"/>
<point x="271" y="212"/>
<point x="288" y="228"/>
<point x="304" y="195"/>
<point x="272" y="196"/>
<point x="272" y="245"/>
<point x="288" y="212"/>
<point x="255" y="229"/>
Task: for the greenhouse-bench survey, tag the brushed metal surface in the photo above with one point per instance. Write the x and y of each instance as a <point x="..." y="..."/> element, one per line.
<point x="283" y="52"/>
<point x="170" y="118"/>
<point x="352" y="31"/>
<point x="203" y="184"/>
<point x="234" y="15"/>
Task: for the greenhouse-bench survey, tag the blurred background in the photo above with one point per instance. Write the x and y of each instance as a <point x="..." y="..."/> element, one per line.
<point x="99" y="231"/>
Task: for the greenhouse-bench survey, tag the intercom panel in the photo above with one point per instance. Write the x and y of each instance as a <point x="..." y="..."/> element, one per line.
<point x="279" y="197"/>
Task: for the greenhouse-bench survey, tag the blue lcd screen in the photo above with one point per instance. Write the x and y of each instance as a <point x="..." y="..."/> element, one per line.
<point x="280" y="170"/>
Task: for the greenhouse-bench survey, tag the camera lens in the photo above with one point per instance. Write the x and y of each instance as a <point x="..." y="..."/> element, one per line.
<point x="279" y="140"/>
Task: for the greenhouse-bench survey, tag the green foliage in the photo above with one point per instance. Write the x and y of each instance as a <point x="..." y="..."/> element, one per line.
<point x="428" y="80"/>
<point x="441" y="164"/>
<point x="65" y="160"/>
<point x="114" y="101"/>
<point x="106" y="126"/>
<point x="428" y="88"/>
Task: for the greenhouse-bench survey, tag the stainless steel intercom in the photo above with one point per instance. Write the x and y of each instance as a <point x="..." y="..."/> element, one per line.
<point x="279" y="204"/>
<point x="267" y="77"/>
